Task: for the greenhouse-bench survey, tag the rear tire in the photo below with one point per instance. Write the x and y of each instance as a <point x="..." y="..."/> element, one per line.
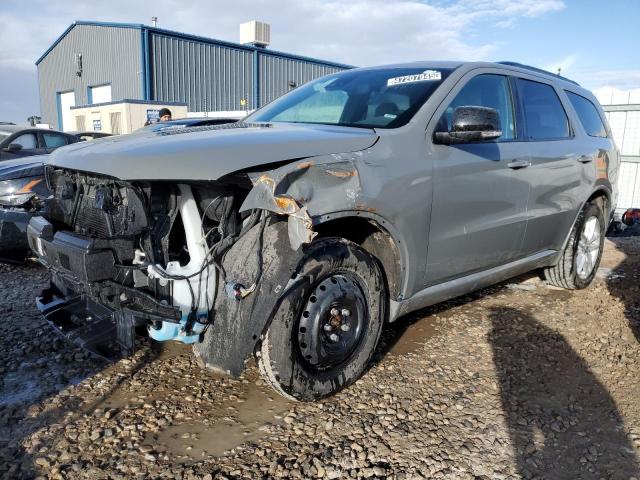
<point x="580" y="259"/>
<point x="326" y="330"/>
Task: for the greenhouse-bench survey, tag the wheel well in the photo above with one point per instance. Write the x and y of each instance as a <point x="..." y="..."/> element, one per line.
<point x="372" y="238"/>
<point x="601" y="197"/>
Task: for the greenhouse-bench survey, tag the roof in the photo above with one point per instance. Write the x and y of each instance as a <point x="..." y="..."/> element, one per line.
<point x="132" y="100"/>
<point x="186" y="36"/>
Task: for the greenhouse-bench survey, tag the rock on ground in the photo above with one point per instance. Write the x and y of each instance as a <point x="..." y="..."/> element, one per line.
<point x="515" y="381"/>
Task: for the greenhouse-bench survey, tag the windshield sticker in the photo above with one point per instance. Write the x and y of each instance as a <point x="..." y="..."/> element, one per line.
<point x="426" y="76"/>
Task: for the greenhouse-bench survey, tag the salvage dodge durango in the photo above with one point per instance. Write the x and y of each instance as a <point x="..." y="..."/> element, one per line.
<point x="294" y="235"/>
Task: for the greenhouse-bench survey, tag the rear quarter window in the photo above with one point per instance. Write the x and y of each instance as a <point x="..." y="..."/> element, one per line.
<point x="588" y="115"/>
<point x="544" y="114"/>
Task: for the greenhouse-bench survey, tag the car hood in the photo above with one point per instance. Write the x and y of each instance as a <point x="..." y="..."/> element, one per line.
<point x="207" y="153"/>
<point x="22" y="167"/>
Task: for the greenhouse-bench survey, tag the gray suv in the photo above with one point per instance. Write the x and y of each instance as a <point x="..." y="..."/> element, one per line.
<point x="294" y="235"/>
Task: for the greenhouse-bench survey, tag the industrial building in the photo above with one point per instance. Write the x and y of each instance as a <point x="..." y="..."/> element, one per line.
<point x="96" y="63"/>
<point x="622" y="109"/>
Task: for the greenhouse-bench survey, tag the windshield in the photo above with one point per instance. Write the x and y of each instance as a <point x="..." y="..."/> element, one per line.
<point x="3" y="136"/>
<point x="379" y="98"/>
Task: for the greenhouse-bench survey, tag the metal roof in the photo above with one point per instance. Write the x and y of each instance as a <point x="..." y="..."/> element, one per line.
<point x="186" y="36"/>
<point x="131" y="100"/>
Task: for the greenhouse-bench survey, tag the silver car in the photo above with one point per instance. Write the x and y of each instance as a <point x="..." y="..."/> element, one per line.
<point x="294" y="235"/>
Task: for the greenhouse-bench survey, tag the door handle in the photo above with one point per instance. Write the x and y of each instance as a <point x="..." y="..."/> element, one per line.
<point x="519" y="163"/>
<point x="585" y="158"/>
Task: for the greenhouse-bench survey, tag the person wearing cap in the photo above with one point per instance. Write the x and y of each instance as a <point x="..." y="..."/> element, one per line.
<point x="164" y="115"/>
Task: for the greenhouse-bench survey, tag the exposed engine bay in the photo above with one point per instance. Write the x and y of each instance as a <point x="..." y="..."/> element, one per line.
<point x="149" y="251"/>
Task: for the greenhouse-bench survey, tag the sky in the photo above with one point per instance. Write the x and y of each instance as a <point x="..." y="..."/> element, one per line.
<point x="592" y="41"/>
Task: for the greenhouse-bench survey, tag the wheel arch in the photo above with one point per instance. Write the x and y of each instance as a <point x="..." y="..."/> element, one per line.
<point x="375" y="235"/>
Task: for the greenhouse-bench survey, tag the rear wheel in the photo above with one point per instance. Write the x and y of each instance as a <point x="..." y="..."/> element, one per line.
<point x="322" y="337"/>
<point x="581" y="257"/>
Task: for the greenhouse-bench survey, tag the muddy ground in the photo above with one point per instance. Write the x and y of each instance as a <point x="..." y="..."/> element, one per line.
<point x="515" y="381"/>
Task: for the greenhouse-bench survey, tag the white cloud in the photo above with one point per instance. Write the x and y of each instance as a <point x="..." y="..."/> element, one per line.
<point x="357" y="32"/>
<point x="564" y="64"/>
<point x="623" y="79"/>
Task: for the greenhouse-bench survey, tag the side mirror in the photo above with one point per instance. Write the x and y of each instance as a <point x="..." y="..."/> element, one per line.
<point x="13" y="147"/>
<point x="471" y="124"/>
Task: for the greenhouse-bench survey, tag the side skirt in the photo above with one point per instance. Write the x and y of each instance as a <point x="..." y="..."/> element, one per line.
<point x="463" y="285"/>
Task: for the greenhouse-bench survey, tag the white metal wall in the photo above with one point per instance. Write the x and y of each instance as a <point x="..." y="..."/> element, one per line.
<point x="625" y="126"/>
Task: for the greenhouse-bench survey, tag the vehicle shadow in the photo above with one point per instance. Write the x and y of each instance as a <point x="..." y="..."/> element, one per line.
<point x="624" y="280"/>
<point x="562" y="421"/>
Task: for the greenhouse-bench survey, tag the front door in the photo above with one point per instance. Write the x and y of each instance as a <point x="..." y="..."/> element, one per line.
<point x="478" y="215"/>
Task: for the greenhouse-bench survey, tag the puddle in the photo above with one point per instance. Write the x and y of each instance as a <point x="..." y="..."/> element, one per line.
<point x="19" y="388"/>
<point x="406" y="339"/>
<point x="31" y="383"/>
<point x="235" y="422"/>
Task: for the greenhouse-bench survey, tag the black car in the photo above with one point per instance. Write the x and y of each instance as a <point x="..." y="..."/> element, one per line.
<point x="23" y="190"/>
<point x="90" y="135"/>
<point x="17" y="141"/>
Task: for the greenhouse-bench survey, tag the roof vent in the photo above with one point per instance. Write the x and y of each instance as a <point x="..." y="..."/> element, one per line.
<point x="255" y="33"/>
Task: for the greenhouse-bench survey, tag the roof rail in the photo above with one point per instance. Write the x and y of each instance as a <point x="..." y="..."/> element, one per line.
<point x="538" y="70"/>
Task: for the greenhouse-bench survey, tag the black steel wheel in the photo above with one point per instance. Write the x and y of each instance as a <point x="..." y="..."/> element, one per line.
<point x="322" y="337"/>
<point x="333" y="322"/>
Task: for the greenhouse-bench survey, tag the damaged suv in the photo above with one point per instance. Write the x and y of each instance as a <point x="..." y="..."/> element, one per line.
<point x="294" y="235"/>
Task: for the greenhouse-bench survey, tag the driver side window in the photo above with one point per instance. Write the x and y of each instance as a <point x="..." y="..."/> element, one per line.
<point x="28" y="141"/>
<point x="485" y="90"/>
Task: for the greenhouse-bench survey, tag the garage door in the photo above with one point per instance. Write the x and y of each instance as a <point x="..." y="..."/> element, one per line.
<point x="65" y="102"/>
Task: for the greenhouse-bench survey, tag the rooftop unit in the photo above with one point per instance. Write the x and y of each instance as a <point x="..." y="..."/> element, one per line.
<point x="255" y="33"/>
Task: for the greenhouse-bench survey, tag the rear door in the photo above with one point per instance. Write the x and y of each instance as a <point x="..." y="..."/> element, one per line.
<point x="478" y="215"/>
<point x="557" y="175"/>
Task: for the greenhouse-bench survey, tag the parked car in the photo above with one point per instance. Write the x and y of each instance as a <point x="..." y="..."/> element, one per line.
<point x="296" y="234"/>
<point x="90" y="135"/>
<point x="188" y="122"/>
<point x="17" y="141"/>
<point x="23" y="191"/>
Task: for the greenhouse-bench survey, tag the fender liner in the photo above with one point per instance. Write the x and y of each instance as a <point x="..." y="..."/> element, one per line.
<point x="238" y="326"/>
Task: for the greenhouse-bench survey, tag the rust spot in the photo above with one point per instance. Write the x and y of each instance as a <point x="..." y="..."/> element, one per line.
<point x="303" y="165"/>
<point x="362" y="207"/>
<point x="267" y="180"/>
<point x="343" y="174"/>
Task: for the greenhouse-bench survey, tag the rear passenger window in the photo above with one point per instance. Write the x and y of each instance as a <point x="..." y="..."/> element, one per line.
<point x="51" y="140"/>
<point x="588" y="115"/>
<point x="490" y="91"/>
<point x="544" y="115"/>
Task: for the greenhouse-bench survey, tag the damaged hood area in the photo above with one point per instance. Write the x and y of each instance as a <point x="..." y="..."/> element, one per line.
<point x="208" y="153"/>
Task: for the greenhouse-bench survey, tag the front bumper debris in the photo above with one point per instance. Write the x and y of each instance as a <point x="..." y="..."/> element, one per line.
<point x="89" y="325"/>
<point x="83" y="303"/>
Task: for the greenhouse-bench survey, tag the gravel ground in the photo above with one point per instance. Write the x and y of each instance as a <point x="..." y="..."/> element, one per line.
<point x="516" y="381"/>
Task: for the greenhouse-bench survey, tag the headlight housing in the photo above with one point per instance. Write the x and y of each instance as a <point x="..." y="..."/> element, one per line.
<point x="19" y="191"/>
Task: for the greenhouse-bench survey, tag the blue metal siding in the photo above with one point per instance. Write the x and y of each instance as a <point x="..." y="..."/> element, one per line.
<point x="144" y="62"/>
<point x="206" y="77"/>
<point x="109" y="55"/>
<point x="275" y="73"/>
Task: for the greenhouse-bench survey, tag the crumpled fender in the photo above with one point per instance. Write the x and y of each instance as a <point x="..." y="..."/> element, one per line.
<point x="307" y="188"/>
